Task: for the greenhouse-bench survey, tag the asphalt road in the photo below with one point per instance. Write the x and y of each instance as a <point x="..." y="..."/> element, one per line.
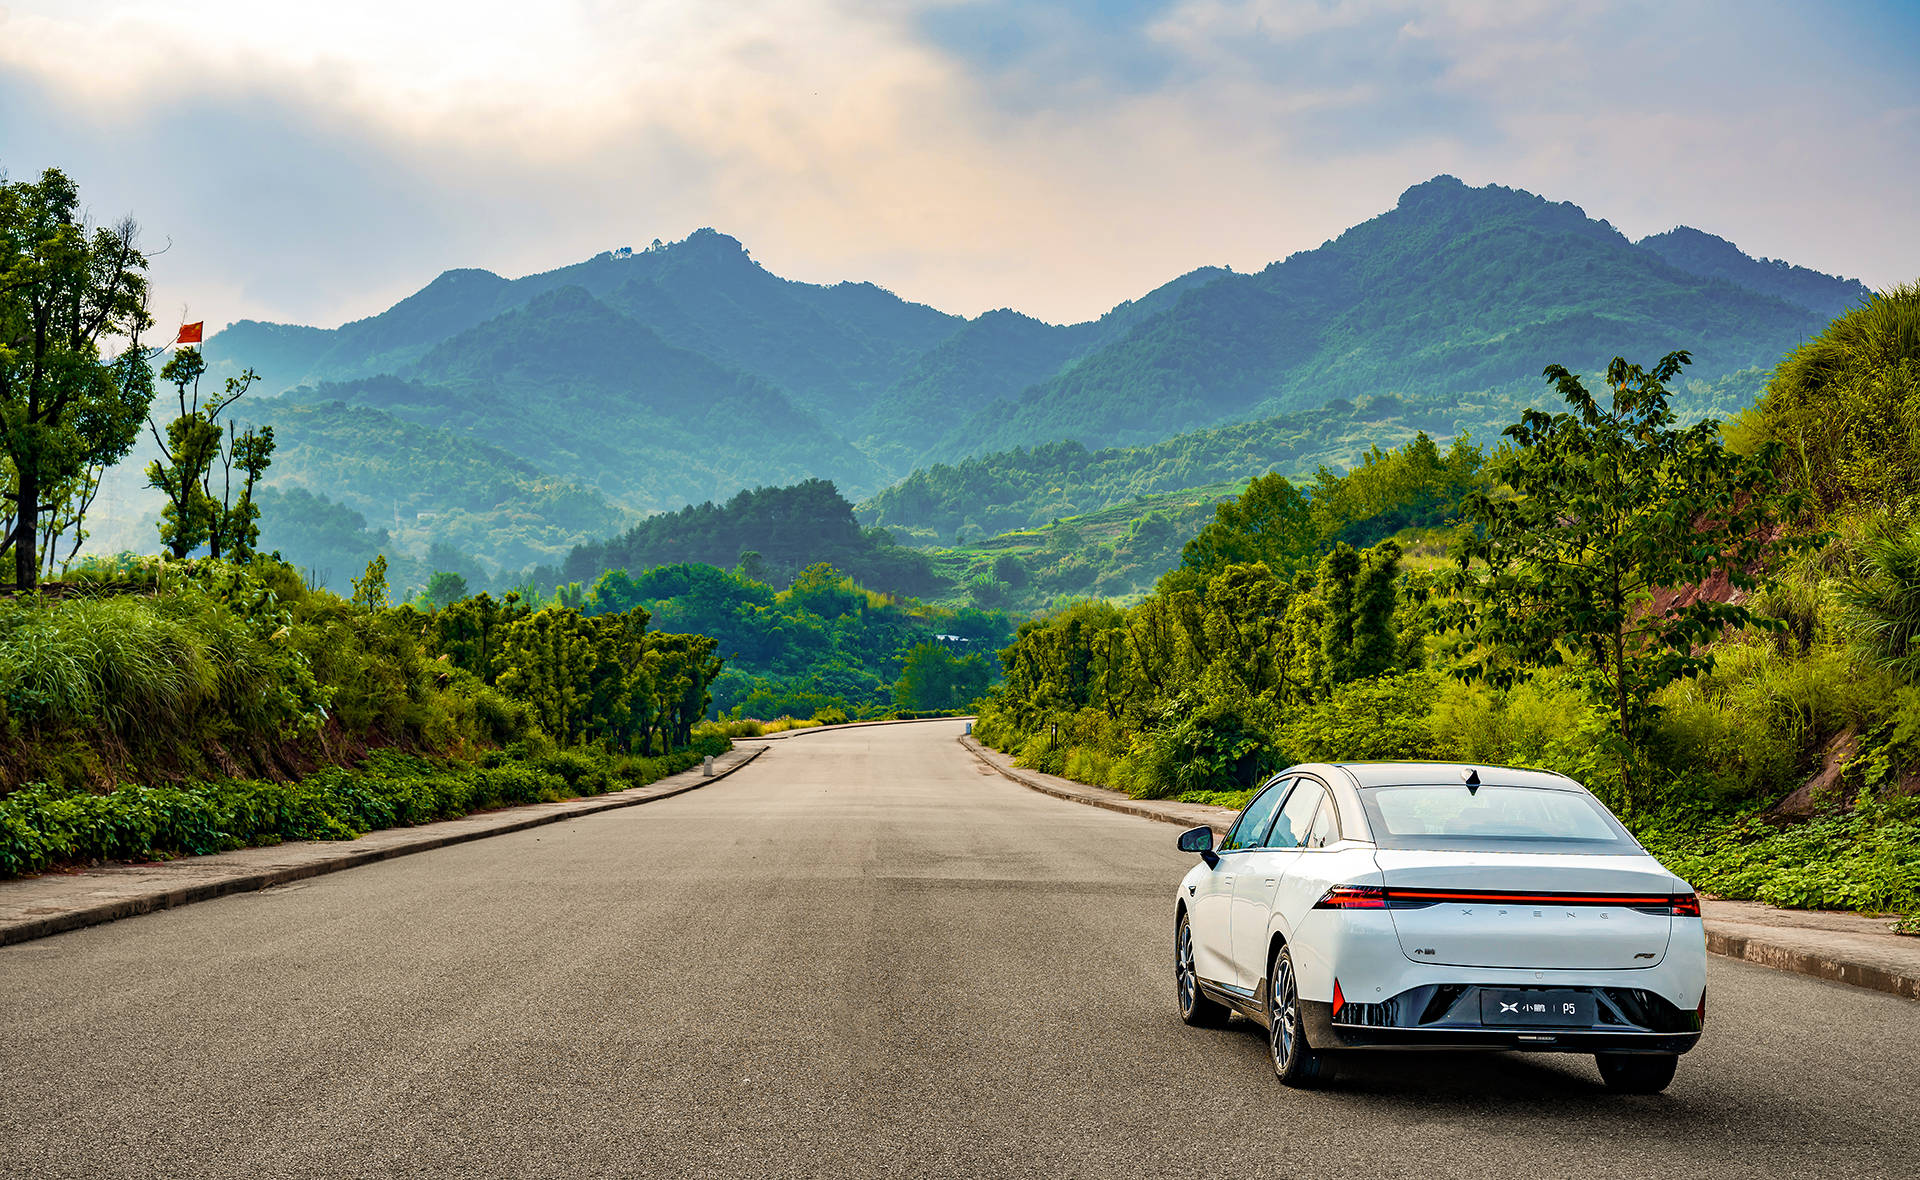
<point x="863" y="955"/>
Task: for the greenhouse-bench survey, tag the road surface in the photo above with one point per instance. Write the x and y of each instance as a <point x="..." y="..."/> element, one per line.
<point x="863" y="955"/>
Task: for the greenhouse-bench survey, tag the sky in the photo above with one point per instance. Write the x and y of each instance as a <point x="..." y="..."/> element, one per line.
<point x="314" y="163"/>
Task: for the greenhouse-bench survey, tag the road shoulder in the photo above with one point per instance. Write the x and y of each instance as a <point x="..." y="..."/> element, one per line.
<point x="52" y="903"/>
<point x="1845" y="948"/>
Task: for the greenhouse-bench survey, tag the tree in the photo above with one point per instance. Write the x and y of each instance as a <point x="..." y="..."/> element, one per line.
<point x="1604" y="553"/>
<point x="64" y="411"/>
<point x="1270" y="522"/>
<point x="370" y="589"/>
<point x="190" y="446"/>
<point x="445" y="588"/>
<point x="237" y="528"/>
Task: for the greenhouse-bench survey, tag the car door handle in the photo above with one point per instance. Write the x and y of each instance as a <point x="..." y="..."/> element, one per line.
<point x="1270" y="881"/>
<point x="1227" y="880"/>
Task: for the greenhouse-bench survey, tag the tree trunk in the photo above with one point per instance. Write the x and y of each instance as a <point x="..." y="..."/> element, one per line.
<point x="26" y="548"/>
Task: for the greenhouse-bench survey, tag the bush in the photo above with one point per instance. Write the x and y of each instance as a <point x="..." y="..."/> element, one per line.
<point x="43" y="825"/>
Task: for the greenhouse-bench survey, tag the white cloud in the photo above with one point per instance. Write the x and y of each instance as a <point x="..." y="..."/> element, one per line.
<point x="314" y="162"/>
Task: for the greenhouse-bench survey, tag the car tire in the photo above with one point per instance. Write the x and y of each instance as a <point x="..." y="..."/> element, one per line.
<point x="1195" y="1008"/>
<point x="1295" y="1062"/>
<point x="1636" y="1073"/>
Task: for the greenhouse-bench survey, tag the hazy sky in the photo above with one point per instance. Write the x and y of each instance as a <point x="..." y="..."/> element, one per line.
<point x="314" y="162"/>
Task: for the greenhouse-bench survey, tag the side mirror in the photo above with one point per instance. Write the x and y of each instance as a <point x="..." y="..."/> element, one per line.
<point x="1199" y="840"/>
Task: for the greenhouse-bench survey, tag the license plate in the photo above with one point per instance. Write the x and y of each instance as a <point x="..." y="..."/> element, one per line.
<point x="1558" y="1009"/>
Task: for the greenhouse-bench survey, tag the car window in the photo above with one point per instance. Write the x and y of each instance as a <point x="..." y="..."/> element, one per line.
<point x="1296" y="818"/>
<point x="1325" y="829"/>
<point x="1492" y="817"/>
<point x="1248" y="830"/>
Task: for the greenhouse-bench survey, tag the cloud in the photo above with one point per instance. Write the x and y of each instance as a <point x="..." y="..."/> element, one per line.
<point x="315" y="162"/>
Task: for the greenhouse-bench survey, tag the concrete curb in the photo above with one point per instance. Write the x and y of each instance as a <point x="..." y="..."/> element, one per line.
<point x="1191" y="814"/>
<point x="426" y="839"/>
<point x="1747" y="948"/>
<point x="1804" y="962"/>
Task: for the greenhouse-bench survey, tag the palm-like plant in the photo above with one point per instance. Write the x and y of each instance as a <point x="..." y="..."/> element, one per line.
<point x="1883" y="602"/>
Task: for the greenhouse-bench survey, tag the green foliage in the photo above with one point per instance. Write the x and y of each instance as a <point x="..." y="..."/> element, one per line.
<point x="1867" y="858"/>
<point x="1606" y="509"/>
<point x="370" y="588"/>
<point x="785" y="529"/>
<point x="190" y="446"/>
<point x="1884" y="603"/>
<point x="1845" y="408"/>
<point x="445" y="588"/>
<point x="66" y="413"/>
<point x="933" y="679"/>
<point x="43" y="826"/>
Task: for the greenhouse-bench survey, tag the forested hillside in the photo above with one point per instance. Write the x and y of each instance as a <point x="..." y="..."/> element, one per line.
<point x="773" y="533"/>
<point x="1714" y="629"/>
<point x="687" y="371"/>
<point x="1026" y="488"/>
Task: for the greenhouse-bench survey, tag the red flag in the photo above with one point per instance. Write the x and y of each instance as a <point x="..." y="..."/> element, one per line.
<point x="190" y="333"/>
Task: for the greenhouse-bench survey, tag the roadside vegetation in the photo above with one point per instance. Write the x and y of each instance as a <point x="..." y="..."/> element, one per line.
<point x="155" y="708"/>
<point x="1715" y="628"/>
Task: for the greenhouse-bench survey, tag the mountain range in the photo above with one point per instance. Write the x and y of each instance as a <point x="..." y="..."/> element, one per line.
<point x="642" y="380"/>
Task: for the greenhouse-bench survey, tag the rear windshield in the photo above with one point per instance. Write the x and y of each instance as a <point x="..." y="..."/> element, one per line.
<point x="1493" y="818"/>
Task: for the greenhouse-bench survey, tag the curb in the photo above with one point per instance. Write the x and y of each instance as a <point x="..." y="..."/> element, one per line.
<point x="1121" y="804"/>
<point x="1745" y="948"/>
<point x="1784" y="958"/>
<point x="127" y="907"/>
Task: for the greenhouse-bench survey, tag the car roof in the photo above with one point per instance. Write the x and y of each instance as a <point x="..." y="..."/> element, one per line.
<point x="1411" y="774"/>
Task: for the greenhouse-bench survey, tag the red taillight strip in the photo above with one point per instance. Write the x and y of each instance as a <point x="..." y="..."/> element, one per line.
<point x="1373" y="897"/>
<point x="1490" y="897"/>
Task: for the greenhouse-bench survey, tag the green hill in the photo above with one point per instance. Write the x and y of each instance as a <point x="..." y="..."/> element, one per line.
<point x="1454" y="289"/>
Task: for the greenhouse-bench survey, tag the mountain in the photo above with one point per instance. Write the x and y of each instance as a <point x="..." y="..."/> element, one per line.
<point x="687" y="371"/>
<point x="1703" y="254"/>
<point x="570" y="385"/>
<point x="1454" y="289"/>
<point x="825" y="345"/>
<point x="995" y="356"/>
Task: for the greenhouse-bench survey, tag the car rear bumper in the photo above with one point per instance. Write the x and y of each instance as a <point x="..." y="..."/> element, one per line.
<point x="1632" y="1021"/>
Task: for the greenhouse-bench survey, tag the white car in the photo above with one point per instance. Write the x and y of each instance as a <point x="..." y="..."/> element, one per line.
<point x="1434" y="905"/>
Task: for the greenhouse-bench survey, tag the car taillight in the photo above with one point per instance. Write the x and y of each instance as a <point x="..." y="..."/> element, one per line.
<point x="1687" y="907"/>
<point x="1340" y="1001"/>
<point x="1353" y="897"/>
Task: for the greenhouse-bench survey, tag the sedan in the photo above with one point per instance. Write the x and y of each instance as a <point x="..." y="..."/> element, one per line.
<point x="1374" y="905"/>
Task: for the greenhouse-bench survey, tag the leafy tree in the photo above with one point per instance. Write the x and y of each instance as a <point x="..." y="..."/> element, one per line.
<point x="370" y="589"/>
<point x="934" y="678"/>
<point x="65" y="411"/>
<point x="470" y="632"/>
<point x="237" y="526"/>
<point x="548" y="660"/>
<point x="445" y="588"/>
<point x="189" y="447"/>
<point x="1613" y="515"/>
<point x="1359" y="637"/>
<point x="1270" y="522"/>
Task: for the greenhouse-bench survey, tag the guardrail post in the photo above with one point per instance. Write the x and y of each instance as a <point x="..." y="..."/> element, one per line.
<point x="706" y="768"/>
